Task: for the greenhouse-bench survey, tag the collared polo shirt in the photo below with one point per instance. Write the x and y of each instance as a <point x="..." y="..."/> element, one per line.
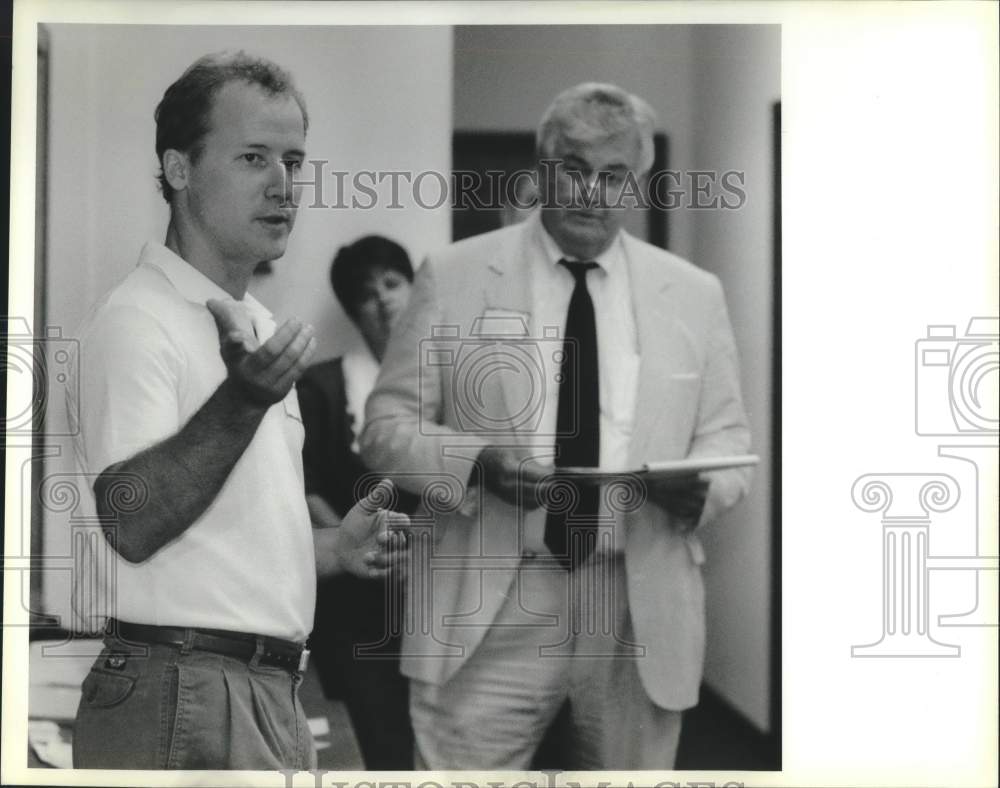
<point x="148" y="361"/>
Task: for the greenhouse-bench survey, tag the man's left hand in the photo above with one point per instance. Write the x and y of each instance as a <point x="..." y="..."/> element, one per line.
<point x="682" y="496"/>
<point x="370" y="541"/>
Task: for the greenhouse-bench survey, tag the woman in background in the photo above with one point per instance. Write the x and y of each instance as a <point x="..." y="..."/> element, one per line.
<point x="371" y="278"/>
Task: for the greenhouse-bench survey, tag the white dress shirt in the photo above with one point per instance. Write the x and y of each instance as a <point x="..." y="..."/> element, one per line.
<point x="617" y="351"/>
<point x="617" y="340"/>
<point x="360" y="370"/>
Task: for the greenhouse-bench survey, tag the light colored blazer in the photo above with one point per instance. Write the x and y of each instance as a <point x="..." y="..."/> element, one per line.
<point x="418" y="431"/>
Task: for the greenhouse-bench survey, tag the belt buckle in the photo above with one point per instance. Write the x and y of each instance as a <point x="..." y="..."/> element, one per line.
<point x="303" y="660"/>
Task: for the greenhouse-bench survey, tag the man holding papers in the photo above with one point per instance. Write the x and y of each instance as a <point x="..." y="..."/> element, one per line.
<point x="562" y="341"/>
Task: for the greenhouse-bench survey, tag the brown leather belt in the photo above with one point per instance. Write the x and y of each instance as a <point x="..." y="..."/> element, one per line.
<point x="273" y="651"/>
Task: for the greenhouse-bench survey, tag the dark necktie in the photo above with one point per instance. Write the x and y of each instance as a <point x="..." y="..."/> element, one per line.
<point x="571" y="533"/>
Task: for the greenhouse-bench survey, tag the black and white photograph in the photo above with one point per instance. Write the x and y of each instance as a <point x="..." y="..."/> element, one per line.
<point x="465" y="395"/>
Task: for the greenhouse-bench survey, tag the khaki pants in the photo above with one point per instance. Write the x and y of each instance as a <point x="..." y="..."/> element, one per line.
<point x="163" y="707"/>
<point x="493" y="713"/>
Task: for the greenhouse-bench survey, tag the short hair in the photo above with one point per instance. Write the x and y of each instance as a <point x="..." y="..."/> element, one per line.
<point x="597" y="109"/>
<point x="353" y="263"/>
<point x="182" y="116"/>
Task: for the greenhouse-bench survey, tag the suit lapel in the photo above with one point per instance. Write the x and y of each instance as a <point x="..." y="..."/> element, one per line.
<point x="507" y="292"/>
<point x="508" y="274"/>
<point x="662" y="339"/>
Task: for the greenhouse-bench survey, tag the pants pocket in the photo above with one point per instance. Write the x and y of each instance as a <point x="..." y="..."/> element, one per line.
<point x="104" y="690"/>
<point x="230" y="716"/>
<point x="118" y="720"/>
<point x="199" y="731"/>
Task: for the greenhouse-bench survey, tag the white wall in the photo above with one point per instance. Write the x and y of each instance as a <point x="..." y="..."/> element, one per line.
<point x="712" y="88"/>
<point x="737" y="79"/>
<point x="378" y="97"/>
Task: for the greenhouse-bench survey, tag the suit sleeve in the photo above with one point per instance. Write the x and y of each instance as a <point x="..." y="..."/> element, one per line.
<point x="404" y="434"/>
<point x="721" y="426"/>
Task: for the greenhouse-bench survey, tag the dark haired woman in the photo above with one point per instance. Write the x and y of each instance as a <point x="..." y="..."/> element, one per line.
<point x="352" y="642"/>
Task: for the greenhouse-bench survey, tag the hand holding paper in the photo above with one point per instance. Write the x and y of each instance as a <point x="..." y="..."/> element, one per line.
<point x="680" y="487"/>
<point x="661" y="469"/>
<point x="682" y="496"/>
<point x="676" y="485"/>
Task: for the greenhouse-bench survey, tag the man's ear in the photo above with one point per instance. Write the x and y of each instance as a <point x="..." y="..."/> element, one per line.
<point x="176" y="167"/>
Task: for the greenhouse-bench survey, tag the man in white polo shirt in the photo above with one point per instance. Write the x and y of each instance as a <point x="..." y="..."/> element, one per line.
<point x="190" y="424"/>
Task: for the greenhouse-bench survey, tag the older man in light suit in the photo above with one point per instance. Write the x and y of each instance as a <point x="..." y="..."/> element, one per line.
<point x="561" y="341"/>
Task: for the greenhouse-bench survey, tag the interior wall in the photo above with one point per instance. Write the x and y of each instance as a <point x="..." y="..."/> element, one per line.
<point x="737" y="80"/>
<point x="364" y="86"/>
<point x="712" y="88"/>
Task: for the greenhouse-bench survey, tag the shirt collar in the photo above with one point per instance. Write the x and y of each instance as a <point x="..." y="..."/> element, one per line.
<point x="608" y="260"/>
<point x="191" y="283"/>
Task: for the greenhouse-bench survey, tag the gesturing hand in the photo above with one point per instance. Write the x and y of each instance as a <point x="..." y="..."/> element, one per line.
<point x="262" y="374"/>
<point x="370" y="540"/>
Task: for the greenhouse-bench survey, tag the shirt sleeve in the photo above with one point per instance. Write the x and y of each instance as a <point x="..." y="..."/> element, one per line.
<point x="129" y="378"/>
